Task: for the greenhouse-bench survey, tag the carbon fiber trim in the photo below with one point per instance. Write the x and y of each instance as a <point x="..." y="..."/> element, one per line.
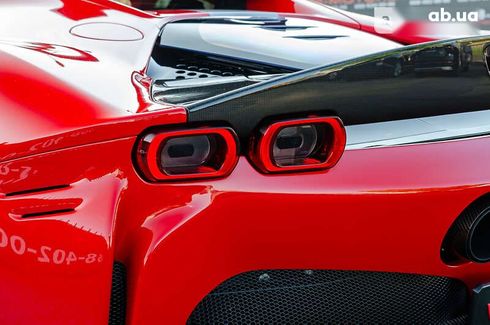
<point x="365" y="90"/>
<point x="467" y="238"/>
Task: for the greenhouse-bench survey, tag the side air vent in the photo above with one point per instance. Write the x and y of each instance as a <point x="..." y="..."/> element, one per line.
<point x="487" y="57"/>
<point x="468" y="239"/>
<point x="41" y="202"/>
<point x="36" y="190"/>
<point x="117" y="314"/>
<point x="46" y="213"/>
<point x="333" y="297"/>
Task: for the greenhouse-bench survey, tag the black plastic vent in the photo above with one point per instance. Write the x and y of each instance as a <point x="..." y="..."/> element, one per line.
<point x="333" y="297"/>
<point x="37" y="190"/>
<point x="468" y="238"/>
<point x="117" y="314"/>
<point x="195" y="69"/>
<point x="178" y="64"/>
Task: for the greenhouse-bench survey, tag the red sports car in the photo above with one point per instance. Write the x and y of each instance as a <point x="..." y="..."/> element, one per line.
<point x="238" y="167"/>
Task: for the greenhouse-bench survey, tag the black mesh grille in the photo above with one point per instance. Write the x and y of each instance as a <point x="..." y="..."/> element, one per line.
<point x="177" y="64"/>
<point x="346" y="297"/>
<point x="117" y="312"/>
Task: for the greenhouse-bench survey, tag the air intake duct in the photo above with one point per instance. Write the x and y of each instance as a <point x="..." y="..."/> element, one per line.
<point x="468" y="239"/>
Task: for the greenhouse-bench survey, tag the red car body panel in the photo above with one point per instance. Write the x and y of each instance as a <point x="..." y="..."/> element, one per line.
<point x="70" y="73"/>
<point x="72" y="202"/>
<point x="180" y="240"/>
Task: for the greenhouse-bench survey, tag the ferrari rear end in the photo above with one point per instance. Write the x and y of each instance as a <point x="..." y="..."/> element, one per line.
<point x="238" y="168"/>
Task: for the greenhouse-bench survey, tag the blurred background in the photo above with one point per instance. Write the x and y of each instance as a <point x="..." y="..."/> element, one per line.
<point x="418" y="9"/>
<point x="409" y="10"/>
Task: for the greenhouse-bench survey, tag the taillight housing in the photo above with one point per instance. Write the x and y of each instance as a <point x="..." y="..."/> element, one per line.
<point x="313" y="143"/>
<point x="187" y="154"/>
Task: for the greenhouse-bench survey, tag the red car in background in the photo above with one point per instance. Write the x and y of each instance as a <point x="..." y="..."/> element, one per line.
<point x="230" y="167"/>
<point x="400" y="30"/>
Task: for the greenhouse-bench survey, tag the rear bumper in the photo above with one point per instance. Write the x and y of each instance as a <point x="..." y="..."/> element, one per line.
<point x="384" y="210"/>
<point x="377" y="210"/>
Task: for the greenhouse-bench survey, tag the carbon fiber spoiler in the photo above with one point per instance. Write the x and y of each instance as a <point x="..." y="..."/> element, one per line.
<point x="422" y="80"/>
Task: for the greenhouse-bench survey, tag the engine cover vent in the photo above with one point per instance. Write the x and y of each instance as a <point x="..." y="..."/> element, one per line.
<point x="176" y="64"/>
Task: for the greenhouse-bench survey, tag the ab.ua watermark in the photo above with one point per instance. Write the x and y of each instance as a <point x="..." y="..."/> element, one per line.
<point x="390" y="19"/>
<point x="460" y="16"/>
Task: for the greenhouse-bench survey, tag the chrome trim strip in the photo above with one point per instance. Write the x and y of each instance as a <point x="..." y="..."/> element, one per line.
<point x="418" y="130"/>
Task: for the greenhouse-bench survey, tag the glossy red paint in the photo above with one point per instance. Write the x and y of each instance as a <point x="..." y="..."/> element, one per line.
<point x="95" y="8"/>
<point x="261" y="145"/>
<point x="410" y="32"/>
<point x="56" y="250"/>
<point x="149" y="150"/>
<point x="68" y="69"/>
<point x="180" y="240"/>
<point x="250" y="221"/>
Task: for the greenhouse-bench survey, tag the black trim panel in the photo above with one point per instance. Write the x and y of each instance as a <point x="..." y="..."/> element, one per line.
<point x="416" y="81"/>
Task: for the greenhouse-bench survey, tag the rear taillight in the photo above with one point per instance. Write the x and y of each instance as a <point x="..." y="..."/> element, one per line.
<point x="300" y="144"/>
<point x="188" y="154"/>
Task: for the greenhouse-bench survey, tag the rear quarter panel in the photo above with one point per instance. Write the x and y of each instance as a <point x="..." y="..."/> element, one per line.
<point x="384" y="209"/>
